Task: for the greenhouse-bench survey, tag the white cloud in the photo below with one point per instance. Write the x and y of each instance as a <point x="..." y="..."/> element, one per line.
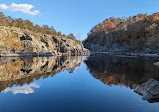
<point x="25" y="8"/>
<point x="26" y="89"/>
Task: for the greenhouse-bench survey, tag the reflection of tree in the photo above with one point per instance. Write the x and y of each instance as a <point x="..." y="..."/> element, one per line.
<point x="121" y="71"/>
<point x="21" y="70"/>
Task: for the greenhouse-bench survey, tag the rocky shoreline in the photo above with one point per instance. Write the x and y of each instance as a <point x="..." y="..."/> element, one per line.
<point x="85" y="53"/>
<point x="128" y="54"/>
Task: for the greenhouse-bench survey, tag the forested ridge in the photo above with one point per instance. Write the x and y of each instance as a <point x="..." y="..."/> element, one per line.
<point x="135" y="33"/>
<point x="26" y="24"/>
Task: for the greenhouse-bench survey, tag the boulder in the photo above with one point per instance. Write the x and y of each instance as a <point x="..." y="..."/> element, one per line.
<point x="149" y="90"/>
<point x="157" y="64"/>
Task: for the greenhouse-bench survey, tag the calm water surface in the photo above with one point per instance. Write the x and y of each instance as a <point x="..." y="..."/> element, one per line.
<point x="98" y="83"/>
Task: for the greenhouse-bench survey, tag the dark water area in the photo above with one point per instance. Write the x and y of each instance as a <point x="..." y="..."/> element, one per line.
<point x="98" y="83"/>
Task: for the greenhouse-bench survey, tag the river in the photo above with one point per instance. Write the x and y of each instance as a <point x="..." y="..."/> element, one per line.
<point x="97" y="83"/>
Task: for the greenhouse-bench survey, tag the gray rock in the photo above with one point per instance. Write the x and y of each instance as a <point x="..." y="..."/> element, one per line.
<point x="149" y="90"/>
<point x="157" y="64"/>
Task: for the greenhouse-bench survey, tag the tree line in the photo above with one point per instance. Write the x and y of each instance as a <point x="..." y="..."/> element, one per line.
<point x="26" y="24"/>
<point x="134" y="30"/>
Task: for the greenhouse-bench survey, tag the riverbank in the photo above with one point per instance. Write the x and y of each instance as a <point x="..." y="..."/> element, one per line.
<point x="128" y="54"/>
<point x="34" y="54"/>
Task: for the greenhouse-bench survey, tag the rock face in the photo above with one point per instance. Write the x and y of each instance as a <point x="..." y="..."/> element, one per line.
<point x="149" y="90"/>
<point x="21" y="42"/>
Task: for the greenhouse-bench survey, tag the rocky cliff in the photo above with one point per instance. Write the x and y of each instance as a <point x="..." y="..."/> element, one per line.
<point x="22" y="42"/>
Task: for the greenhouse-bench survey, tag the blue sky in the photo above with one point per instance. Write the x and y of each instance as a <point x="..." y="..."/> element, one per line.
<point x="79" y="16"/>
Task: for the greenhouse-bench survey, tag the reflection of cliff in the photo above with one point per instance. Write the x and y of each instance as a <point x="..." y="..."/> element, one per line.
<point x="121" y="71"/>
<point x="20" y="71"/>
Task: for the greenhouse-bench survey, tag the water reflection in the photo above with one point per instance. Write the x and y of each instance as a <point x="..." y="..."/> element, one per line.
<point x="18" y="71"/>
<point x="18" y="75"/>
<point x="25" y="89"/>
<point x="130" y="72"/>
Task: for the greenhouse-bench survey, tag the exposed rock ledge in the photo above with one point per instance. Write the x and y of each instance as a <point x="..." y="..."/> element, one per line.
<point x="21" y="42"/>
<point x="149" y="90"/>
<point x="128" y="54"/>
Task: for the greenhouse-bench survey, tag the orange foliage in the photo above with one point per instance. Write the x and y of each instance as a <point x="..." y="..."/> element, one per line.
<point x="142" y="16"/>
<point x="111" y="26"/>
<point x="155" y="17"/>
